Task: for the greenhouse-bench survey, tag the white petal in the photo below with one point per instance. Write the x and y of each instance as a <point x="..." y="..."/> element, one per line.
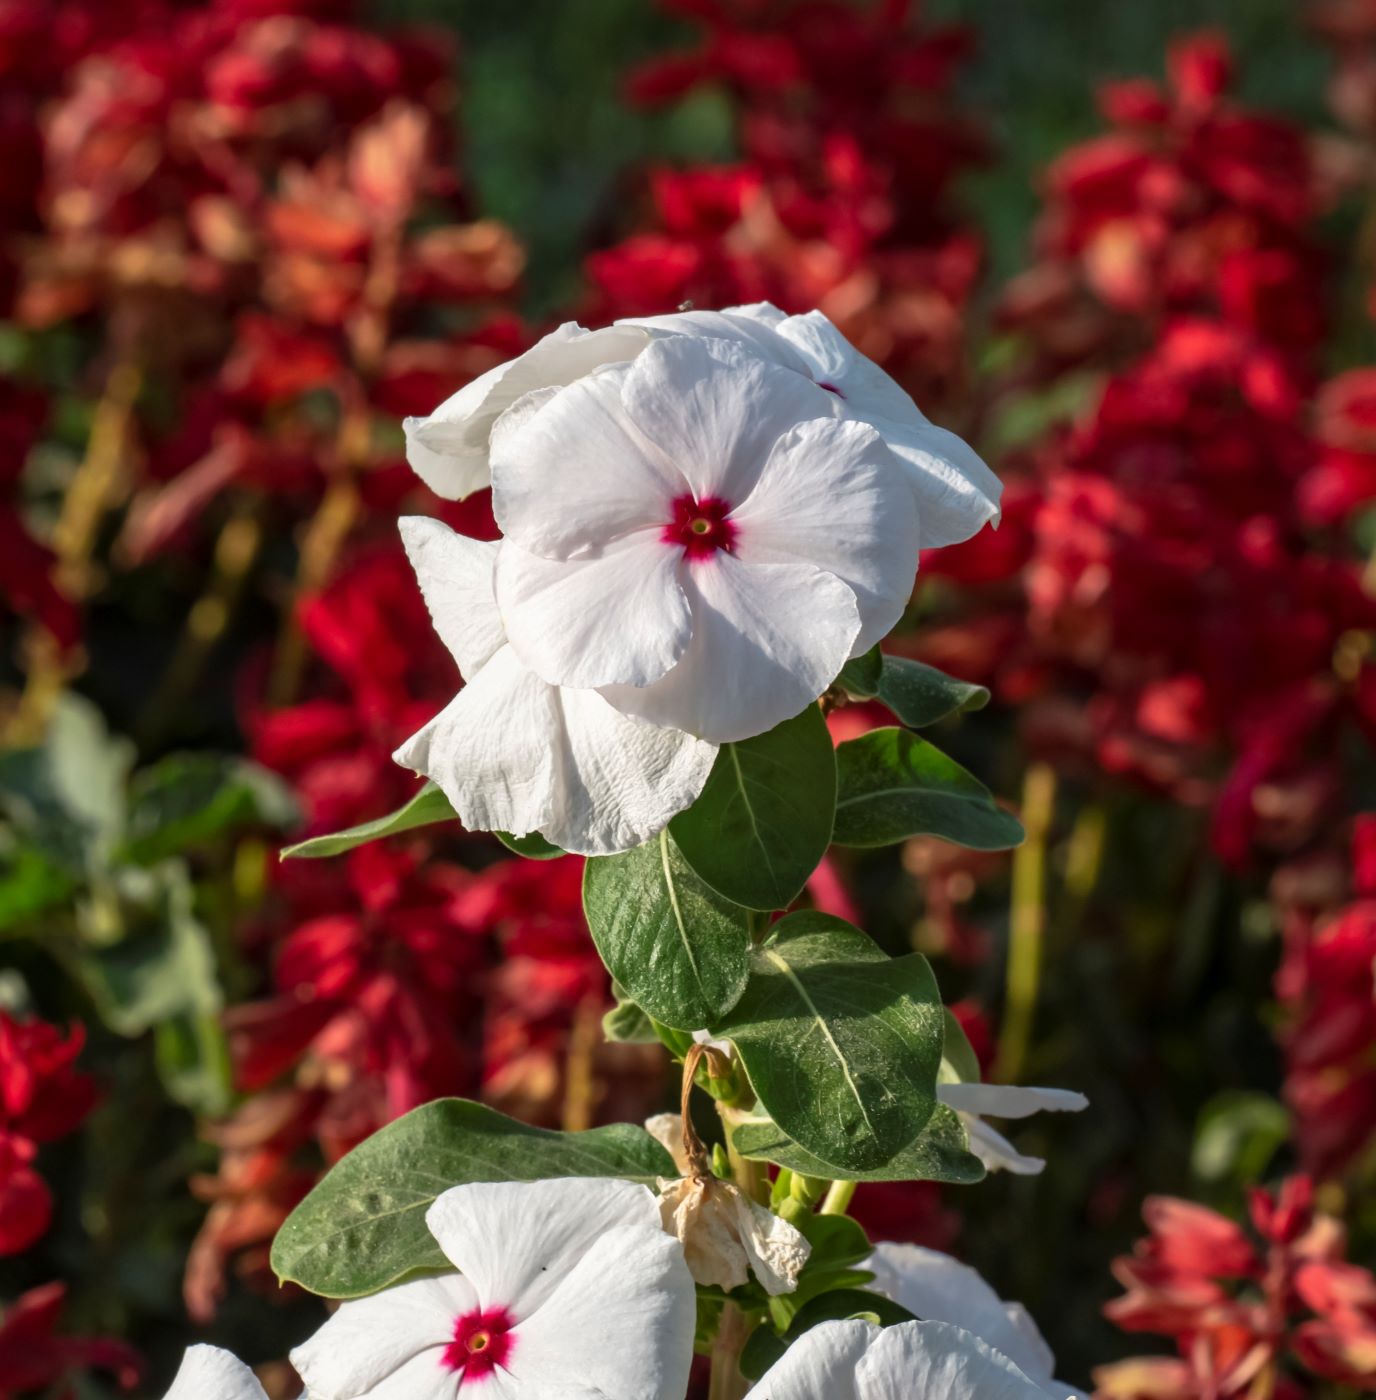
<point x="777" y="1250"/>
<point x="830" y="495"/>
<point x="455" y="577"/>
<point x="751" y="327"/>
<point x="618" y="1325"/>
<point x="515" y="1241"/>
<point x="767" y="641"/>
<point x="911" y="1361"/>
<point x="621" y="780"/>
<point x="937" y="1288"/>
<point x="489" y="749"/>
<point x="574" y="474"/>
<point x="1009" y="1100"/>
<point x="832" y="359"/>
<point x="996" y="1152"/>
<point x="619" y="618"/>
<point x="370" y="1339"/>
<point x="956" y="492"/>
<point x="449" y="450"/>
<point x="207" y="1373"/>
<point x="715" y="410"/>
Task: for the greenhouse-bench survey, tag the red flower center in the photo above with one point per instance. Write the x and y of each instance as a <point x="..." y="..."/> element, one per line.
<point x="482" y="1342"/>
<point x="701" y="527"/>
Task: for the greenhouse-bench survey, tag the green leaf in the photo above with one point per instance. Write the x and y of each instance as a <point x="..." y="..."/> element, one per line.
<point x="189" y="799"/>
<point x="533" y="847"/>
<point x="428" y="806"/>
<point x="164" y="966"/>
<point x="921" y="695"/>
<point x="860" y="677"/>
<point x="842" y="1043"/>
<point x="941" y="1153"/>
<point x="959" y="1063"/>
<point x="1238" y="1134"/>
<point x="193" y="1063"/>
<point x="626" y="1023"/>
<point x="29" y="882"/>
<point x="764" y="819"/>
<point x="681" y="951"/>
<point x="363" y="1226"/>
<point x="765" y="1346"/>
<point x="893" y="785"/>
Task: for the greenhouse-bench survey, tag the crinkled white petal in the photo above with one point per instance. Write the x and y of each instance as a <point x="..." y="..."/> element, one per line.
<point x="622" y="617"/>
<point x="515" y="1241"/>
<point x="369" y="1342"/>
<point x="956" y="493"/>
<point x="455" y="577"/>
<point x="832" y="359"/>
<point x="727" y="1237"/>
<point x="449" y="449"/>
<point x="996" y="1152"/>
<point x="752" y="327"/>
<point x="911" y="1361"/>
<point x="207" y="1373"/>
<point x="854" y="517"/>
<point x="1009" y="1100"/>
<point x="715" y="410"/>
<point x="616" y="1322"/>
<point x="490" y="749"/>
<point x="571" y="473"/>
<point x="767" y="641"/>
<point x="937" y="1288"/>
<point x="667" y="1131"/>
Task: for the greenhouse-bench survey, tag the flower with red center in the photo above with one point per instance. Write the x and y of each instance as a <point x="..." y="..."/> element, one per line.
<point x="602" y="487"/>
<point x="567" y="1288"/>
<point x="701" y="527"/>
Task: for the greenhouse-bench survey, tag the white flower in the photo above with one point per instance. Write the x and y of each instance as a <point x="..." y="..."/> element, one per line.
<point x="972" y="1101"/>
<point x="695" y="535"/>
<point x="566" y="1288"/>
<point x="448" y="450"/>
<point x="515" y="754"/>
<point x="207" y="1373"/>
<point x="938" y="1288"/>
<point x="956" y="492"/>
<point x="912" y="1361"/>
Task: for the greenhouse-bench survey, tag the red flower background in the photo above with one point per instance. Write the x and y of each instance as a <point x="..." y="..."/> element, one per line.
<point x="236" y="248"/>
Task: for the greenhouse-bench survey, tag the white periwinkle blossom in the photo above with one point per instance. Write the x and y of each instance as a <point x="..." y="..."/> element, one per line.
<point x="697" y="536"/>
<point x="973" y="1101"/>
<point x="937" y="1288"/>
<point x="513" y="753"/>
<point x="956" y="492"/>
<point x="566" y="1287"/>
<point x="911" y="1361"/>
<point x="207" y="1373"/>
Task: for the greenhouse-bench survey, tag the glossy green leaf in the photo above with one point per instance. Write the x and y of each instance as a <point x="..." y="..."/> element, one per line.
<point x="533" y="847"/>
<point x="893" y="785"/>
<point x="765" y="1346"/>
<point x="959" y="1063"/>
<point x="626" y="1023"/>
<point x="363" y="1226"/>
<point x="763" y="821"/>
<point x="940" y="1153"/>
<point x="860" y="677"/>
<point x="842" y="1043"/>
<point x="427" y="807"/>
<point x="680" y="950"/>
<point x="921" y="695"/>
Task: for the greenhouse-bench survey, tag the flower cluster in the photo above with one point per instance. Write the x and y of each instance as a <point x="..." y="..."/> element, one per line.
<point x="704" y="516"/>
<point x="850" y="144"/>
<point x="1244" y="1315"/>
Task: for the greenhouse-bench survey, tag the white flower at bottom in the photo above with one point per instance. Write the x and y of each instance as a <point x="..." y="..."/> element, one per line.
<point x="515" y="754"/>
<point x="973" y="1101"/>
<point x="566" y="1288"/>
<point x="911" y="1361"/>
<point x="207" y="1373"/>
<point x="937" y="1288"/>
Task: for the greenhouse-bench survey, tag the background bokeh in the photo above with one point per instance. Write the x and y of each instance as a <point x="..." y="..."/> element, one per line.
<point x="240" y="239"/>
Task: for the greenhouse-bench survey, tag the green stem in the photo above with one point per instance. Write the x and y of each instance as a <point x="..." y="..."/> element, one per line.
<point x="1027" y="924"/>
<point x="838" y="1198"/>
